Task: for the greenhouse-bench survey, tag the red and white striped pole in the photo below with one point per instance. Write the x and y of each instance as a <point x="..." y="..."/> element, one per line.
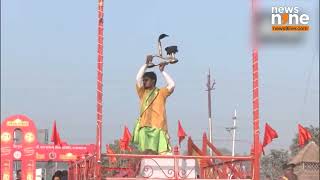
<point x="255" y="97"/>
<point x="99" y="87"/>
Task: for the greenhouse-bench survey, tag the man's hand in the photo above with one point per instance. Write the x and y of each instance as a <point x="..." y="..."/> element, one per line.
<point x="149" y="59"/>
<point x="161" y="66"/>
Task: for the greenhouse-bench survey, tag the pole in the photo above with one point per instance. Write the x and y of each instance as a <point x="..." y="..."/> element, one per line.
<point x="234" y="132"/>
<point x="209" y="89"/>
<point x="99" y="88"/>
<point x="46" y="136"/>
<point x="45" y="173"/>
<point x="255" y="97"/>
<point x="233" y="128"/>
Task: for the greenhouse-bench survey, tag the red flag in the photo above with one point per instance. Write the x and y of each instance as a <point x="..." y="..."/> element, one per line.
<point x="181" y="133"/>
<point x="125" y="140"/>
<point x="112" y="159"/>
<point x="269" y="135"/>
<point x="303" y="136"/>
<point x="55" y="137"/>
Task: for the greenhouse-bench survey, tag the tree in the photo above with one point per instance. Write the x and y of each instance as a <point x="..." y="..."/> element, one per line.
<point x="295" y="148"/>
<point x="272" y="163"/>
<point x="129" y="163"/>
<point x="116" y="148"/>
<point x="225" y="151"/>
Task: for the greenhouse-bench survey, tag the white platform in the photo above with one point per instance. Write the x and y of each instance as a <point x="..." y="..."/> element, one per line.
<point x="164" y="168"/>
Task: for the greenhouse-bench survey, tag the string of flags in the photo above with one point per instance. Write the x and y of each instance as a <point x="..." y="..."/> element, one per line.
<point x="269" y="135"/>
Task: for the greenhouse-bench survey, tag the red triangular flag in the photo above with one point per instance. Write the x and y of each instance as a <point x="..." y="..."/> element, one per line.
<point x="303" y="136"/>
<point x="55" y="137"/>
<point x="181" y="133"/>
<point x="269" y="135"/>
<point x="125" y="140"/>
<point x="112" y="159"/>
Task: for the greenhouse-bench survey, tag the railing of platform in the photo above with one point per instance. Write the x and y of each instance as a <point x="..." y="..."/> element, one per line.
<point x="83" y="168"/>
<point x="137" y="166"/>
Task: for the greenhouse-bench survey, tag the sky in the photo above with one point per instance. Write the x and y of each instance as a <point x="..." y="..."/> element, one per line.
<point x="48" y="67"/>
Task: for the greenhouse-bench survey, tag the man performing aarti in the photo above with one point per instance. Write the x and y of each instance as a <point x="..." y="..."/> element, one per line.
<point x="151" y="131"/>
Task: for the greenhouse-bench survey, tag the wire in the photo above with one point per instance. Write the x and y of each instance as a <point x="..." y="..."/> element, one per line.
<point x="217" y="139"/>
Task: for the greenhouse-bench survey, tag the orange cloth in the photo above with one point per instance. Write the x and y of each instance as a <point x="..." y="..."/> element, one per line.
<point x="155" y="115"/>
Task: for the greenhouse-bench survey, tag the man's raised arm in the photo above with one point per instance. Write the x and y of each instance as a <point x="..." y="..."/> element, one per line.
<point x="142" y="70"/>
<point x="168" y="79"/>
<point x="140" y="75"/>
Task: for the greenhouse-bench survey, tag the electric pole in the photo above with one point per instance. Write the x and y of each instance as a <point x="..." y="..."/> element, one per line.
<point x="210" y="87"/>
<point x="234" y="131"/>
<point x="233" y="128"/>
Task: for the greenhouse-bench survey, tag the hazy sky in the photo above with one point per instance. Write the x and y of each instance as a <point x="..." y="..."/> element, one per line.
<point x="48" y="67"/>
